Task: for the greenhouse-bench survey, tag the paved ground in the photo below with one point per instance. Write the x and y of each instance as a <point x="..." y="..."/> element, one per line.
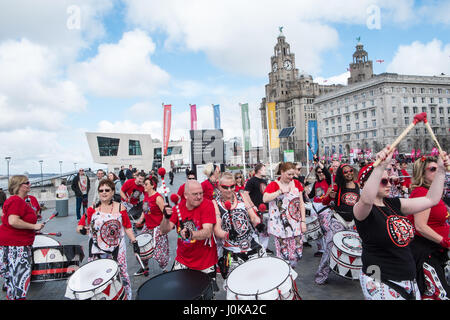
<point x="337" y="287"/>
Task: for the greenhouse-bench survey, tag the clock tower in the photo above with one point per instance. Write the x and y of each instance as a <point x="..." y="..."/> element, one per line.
<point x="283" y="61"/>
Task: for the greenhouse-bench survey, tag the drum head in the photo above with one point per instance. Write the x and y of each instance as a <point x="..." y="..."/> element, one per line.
<point x="258" y="276"/>
<point x="44" y="241"/>
<point x="93" y="275"/>
<point x="177" y="285"/>
<point x="143" y="239"/>
<point x="348" y="242"/>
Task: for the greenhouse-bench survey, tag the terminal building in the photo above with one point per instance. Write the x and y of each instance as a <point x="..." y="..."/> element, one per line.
<point x="139" y="150"/>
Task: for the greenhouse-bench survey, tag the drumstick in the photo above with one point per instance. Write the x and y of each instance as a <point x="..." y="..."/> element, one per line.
<point x="427" y="125"/>
<point x="58" y="234"/>
<point x="51" y="217"/>
<point x="417" y="118"/>
<point x="162" y="173"/>
<point x="141" y="263"/>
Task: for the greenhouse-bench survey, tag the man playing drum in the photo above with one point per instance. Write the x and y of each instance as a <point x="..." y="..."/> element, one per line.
<point x="194" y="219"/>
<point x="235" y="227"/>
<point x="131" y="192"/>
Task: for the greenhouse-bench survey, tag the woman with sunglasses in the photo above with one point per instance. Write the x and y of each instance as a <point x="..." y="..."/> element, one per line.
<point x="286" y="214"/>
<point x="17" y="233"/>
<point x="319" y="190"/>
<point x="431" y="242"/>
<point x="389" y="269"/>
<point x="152" y="213"/>
<point x="240" y="185"/>
<point x="107" y="223"/>
<point x="345" y="195"/>
<point x="235" y="226"/>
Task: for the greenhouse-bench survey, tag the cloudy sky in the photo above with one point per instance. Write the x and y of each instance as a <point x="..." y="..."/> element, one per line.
<point x="73" y="66"/>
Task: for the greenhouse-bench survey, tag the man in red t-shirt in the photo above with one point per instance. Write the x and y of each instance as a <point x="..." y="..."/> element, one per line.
<point x="190" y="176"/>
<point x="132" y="189"/>
<point x="194" y="219"/>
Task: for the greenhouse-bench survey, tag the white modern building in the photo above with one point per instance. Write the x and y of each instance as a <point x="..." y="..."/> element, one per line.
<point x="139" y="150"/>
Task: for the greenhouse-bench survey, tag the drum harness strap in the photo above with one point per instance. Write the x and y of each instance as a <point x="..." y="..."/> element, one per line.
<point x="323" y="209"/>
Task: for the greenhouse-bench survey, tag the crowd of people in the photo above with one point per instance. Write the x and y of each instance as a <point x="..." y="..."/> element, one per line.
<point x="228" y="219"/>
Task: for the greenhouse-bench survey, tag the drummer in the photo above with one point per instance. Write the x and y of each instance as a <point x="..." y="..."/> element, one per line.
<point x="286" y="221"/>
<point x="131" y="191"/>
<point x="345" y="195"/>
<point x="152" y="214"/>
<point x="194" y="219"/>
<point x="17" y="233"/>
<point x="240" y="239"/>
<point x="386" y="232"/>
<point x="319" y="191"/>
<point x="107" y="224"/>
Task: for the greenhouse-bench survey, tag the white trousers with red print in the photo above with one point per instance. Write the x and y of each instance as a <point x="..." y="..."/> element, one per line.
<point x="15" y="268"/>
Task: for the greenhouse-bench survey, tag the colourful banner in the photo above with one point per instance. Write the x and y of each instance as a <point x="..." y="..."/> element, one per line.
<point x="413" y="154"/>
<point x="246" y="126"/>
<point x="312" y="139"/>
<point x="273" y="131"/>
<point x="216" y="116"/>
<point x="166" y="128"/>
<point x="193" y="117"/>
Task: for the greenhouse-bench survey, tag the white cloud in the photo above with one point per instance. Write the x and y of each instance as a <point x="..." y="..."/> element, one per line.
<point x="238" y="36"/>
<point x="339" y="79"/>
<point x="432" y="58"/>
<point x="123" y="69"/>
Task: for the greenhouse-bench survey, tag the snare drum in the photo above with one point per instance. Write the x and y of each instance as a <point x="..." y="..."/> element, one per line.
<point x="183" y="284"/>
<point x="96" y="280"/>
<point x="345" y="257"/>
<point x="313" y="229"/>
<point x="52" y="261"/>
<point x="266" y="278"/>
<point x="146" y="243"/>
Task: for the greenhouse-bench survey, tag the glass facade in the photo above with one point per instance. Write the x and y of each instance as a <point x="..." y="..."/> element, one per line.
<point x="134" y="148"/>
<point x="108" y="147"/>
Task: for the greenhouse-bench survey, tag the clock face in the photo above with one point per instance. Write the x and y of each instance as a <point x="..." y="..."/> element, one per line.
<point x="275" y="67"/>
<point x="287" y="65"/>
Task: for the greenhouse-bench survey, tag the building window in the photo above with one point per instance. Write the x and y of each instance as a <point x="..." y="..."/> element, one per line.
<point x="373" y="112"/>
<point x="347" y="118"/>
<point x="365" y="125"/>
<point x="356" y="116"/>
<point x="424" y="109"/>
<point x="357" y="126"/>
<point x="405" y="109"/>
<point x="348" y="127"/>
<point x="108" y="147"/>
<point x="414" y="100"/>
<point x="415" y="110"/>
<point x="365" y="114"/>
<point x="374" y="123"/>
<point x="423" y="100"/>
<point x="406" y="120"/>
<point x="393" y="110"/>
<point x="431" y="100"/>
<point x="394" y="120"/>
<point x="374" y="134"/>
<point x="134" y="148"/>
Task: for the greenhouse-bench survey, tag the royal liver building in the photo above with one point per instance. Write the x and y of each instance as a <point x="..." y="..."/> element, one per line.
<point x="373" y="110"/>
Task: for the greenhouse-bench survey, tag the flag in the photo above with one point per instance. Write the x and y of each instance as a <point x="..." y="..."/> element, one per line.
<point x="166" y="128"/>
<point x="193" y="116"/>
<point x="312" y="138"/>
<point x="274" y="141"/>
<point x="245" y="126"/>
<point x="216" y="116"/>
<point x="418" y="153"/>
<point x="413" y="154"/>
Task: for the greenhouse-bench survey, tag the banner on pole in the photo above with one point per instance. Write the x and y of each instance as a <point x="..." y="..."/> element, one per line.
<point x="246" y="126"/>
<point x="193" y="117"/>
<point x="272" y="126"/>
<point x="312" y="138"/>
<point x="166" y="129"/>
<point x="216" y="116"/>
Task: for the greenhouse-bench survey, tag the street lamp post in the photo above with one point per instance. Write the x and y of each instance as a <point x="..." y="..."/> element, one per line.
<point x="7" y="167"/>
<point x="75" y="165"/>
<point x="60" y="167"/>
<point x="42" y="177"/>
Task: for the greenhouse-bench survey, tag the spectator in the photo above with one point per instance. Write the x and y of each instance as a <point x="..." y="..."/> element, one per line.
<point x="122" y="176"/>
<point x="81" y="186"/>
<point x="129" y="172"/>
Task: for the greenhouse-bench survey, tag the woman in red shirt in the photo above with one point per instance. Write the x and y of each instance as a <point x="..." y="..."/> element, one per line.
<point x="152" y="213"/>
<point x="107" y="223"/>
<point x="431" y="243"/>
<point x="240" y="185"/>
<point x="17" y="234"/>
<point x="286" y="214"/>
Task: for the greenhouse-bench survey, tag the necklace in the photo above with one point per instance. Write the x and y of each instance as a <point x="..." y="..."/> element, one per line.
<point x="112" y="207"/>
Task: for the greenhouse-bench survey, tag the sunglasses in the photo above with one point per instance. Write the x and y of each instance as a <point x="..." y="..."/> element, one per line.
<point x="432" y="169"/>
<point x="347" y="171"/>
<point x="319" y="172"/>
<point x="191" y="178"/>
<point x="228" y="187"/>
<point x="385" y="181"/>
<point x="27" y="183"/>
<point x="104" y="190"/>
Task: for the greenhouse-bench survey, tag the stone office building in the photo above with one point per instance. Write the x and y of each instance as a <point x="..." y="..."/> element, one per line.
<point x="373" y="110"/>
<point x="294" y="95"/>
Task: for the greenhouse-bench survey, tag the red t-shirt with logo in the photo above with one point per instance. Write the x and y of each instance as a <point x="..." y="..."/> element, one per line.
<point x="208" y="190"/>
<point x="133" y="191"/>
<point x="437" y="219"/>
<point x="202" y="254"/>
<point x="153" y="217"/>
<point x="10" y="236"/>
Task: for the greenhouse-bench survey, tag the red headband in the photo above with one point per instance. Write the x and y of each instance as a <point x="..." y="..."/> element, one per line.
<point x="364" y="173"/>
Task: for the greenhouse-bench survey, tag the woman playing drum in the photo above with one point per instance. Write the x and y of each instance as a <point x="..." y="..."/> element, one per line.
<point x="152" y="214"/>
<point x="386" y="232"/>
<point x="431" y="243"/>
<point x="17" y="233"/>
<point x="108" y="222"/>
<point x="345" y="195"/>
<point x="286" y="214"/>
